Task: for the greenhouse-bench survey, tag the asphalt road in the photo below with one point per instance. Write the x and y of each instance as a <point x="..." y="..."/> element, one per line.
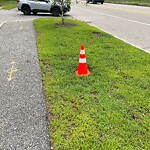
<point x="129" y="23"/>
<point x="23" y="116"/>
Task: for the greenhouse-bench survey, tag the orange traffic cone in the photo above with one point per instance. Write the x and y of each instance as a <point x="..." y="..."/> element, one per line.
<point x="82" y="66"/>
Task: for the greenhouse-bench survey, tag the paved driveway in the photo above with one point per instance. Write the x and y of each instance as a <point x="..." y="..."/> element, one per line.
<point x="23" y="123"/>
<point x="15" y="15"/>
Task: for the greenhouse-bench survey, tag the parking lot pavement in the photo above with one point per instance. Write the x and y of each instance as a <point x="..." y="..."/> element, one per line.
<point x="15" y="15"/>
<point x="23" y="123"/>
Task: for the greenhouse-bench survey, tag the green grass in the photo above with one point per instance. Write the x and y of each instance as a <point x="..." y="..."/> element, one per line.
<point x="131" y="2"/>
<point x="107" y="110"/>
<point x="8" y="4"/>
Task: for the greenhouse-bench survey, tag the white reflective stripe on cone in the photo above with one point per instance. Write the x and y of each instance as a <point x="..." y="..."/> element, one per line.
<point x="82" y="60"/>
<point x="82" y="51"/>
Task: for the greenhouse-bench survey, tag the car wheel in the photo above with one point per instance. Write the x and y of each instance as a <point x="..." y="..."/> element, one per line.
<point x="55" y="12"/>
<point x="26" y="10"/>
<point x="87" y="1"/>
<point x="102" y="2"/>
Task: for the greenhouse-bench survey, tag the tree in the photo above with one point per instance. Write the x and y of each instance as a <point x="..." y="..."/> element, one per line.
<point x="63" y="4"/>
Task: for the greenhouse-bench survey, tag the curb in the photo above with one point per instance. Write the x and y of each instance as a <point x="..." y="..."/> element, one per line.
<point x="3" y="24"/>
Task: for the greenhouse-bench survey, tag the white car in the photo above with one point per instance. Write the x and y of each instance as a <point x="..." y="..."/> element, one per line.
<point x="35" y="6"/>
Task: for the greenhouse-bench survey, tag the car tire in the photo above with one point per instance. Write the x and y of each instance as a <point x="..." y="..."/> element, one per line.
<point x="102" y="2"/>
<point x="87" y="1"/>
<point x="26" y="10"/>
<point x="55" y="12"/>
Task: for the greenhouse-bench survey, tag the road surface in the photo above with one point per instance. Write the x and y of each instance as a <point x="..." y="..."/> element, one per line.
<point x="23" y="116"/>
<point x="129" y="23"/>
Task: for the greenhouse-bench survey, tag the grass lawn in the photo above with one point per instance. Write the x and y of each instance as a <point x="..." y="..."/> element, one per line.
<point x="133" y="2"/>
<point x="107" y="110"/>
<point x="8" y="4"/>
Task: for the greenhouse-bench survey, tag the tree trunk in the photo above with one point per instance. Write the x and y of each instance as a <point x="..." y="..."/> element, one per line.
<point x="62" y="15"/>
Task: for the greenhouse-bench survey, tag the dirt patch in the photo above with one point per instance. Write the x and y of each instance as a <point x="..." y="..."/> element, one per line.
<point x="97" y="34"/>
<point x="66" y="24"/>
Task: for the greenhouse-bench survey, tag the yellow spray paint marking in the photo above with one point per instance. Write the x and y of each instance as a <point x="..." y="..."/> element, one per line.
<point x="12" y="70"/>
